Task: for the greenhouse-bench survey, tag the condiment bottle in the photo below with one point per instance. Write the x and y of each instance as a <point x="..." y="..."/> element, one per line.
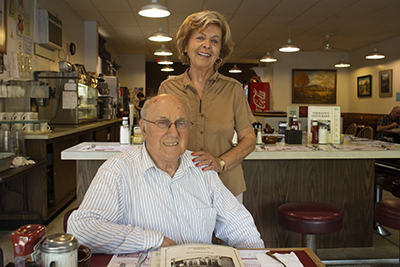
<point x="295" y="124"/>
<point x="259" y="137"/>
<point x="124" y="133"/>
<point x="26" y="241"/>
<point x="314" y="132"/>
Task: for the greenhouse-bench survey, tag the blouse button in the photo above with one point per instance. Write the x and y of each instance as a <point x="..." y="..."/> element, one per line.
<point x="202" y="115"/>
<point x="201" y="132"/>
<point x="201" y="149"/>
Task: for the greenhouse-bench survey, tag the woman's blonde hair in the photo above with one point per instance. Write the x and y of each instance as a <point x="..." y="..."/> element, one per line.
<point x="197" y="22"/>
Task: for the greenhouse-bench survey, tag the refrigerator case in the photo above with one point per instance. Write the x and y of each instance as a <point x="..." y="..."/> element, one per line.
<point x="259" y="96"/>
<point x="74" y="103"/>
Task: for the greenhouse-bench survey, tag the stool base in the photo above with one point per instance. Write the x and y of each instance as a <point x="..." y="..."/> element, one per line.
<point x="309" y="241"/>
<point x="380" y="230"/>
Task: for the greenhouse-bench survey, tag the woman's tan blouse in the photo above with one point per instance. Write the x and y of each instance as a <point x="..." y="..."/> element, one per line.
<point x="223" y="109"/>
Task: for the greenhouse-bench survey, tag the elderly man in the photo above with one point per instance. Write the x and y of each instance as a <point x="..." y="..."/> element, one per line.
<point x="388" y="122"/>
<point x="155" y="195"/>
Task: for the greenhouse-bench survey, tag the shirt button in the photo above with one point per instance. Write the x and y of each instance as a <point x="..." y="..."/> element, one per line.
<point x="201" y="132"/>
<point x="185" y="232"/>
<point x="202" y="115"/>
<point x="179" y="206"/>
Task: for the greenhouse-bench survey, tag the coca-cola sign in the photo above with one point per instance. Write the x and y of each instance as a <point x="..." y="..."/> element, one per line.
<point x="259" y="96"/>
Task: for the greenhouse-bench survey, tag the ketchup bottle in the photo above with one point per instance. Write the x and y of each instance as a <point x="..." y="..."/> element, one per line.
<point x="314" y="132"/>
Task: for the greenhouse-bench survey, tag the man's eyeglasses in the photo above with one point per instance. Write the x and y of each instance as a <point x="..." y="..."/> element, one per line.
<point x="164" y="124"/>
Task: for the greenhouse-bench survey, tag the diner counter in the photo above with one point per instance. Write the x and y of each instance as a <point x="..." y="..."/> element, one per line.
<point x="342" y="175"/>
<point x="64" y="130"/>
<point x="357" y="149"/>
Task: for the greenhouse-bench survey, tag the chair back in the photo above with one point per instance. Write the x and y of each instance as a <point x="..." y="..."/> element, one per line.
<point x="66" y="216"/>
<point x="366" y="132"/>
<point x="352" y="129"/>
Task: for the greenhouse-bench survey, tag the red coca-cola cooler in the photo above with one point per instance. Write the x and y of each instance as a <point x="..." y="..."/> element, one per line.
<point x="259" y="96"/>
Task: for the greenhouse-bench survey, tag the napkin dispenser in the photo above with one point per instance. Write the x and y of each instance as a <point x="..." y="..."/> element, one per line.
<point x="293" y="137"/>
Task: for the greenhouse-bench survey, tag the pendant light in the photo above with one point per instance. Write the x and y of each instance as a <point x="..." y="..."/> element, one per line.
<point x="342" y="64"/>
<point x="160" y="36"/>
<point x="289" y="47"/>
<point x="235" y="69"/>
<point x="163" y="51"/>
<point x="154" y="10"/>
<point x="375" y="55"/>
<point x="167" y="68"/>
<point x="268" y="58"/>
<point x="165" y="61"/>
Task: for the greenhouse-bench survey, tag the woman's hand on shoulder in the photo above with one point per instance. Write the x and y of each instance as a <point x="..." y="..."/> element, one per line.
<point x="206" y="161"/>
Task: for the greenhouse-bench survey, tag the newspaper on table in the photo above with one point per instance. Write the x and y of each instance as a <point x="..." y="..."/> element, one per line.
<point x="198" y="255"/>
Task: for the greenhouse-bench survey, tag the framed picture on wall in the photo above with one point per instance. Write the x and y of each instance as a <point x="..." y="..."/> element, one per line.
<point x="3" y="26"/>
<point x="364" y="86"/>
<point x="314" y="86"/>
<point x="385" y="83"/>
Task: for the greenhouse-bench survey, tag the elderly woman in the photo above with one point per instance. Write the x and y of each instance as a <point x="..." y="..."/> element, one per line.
<point x="218" y="104"/>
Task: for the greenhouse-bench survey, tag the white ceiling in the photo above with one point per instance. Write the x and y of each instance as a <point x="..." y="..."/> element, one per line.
<point x="257" y="26"/>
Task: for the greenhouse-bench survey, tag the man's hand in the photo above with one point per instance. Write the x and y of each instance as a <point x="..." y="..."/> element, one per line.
<point x="168" y="242"/>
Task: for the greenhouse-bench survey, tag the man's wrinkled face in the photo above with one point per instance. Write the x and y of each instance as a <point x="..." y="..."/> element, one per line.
<point x="165" y="145"/>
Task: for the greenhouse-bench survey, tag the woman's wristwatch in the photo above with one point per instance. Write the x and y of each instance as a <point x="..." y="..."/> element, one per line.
<point x="222" y="164"/>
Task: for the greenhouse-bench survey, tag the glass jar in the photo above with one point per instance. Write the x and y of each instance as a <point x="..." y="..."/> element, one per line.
<point x="62" y="249"/>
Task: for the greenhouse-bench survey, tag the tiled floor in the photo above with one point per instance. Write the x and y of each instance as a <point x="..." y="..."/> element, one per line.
<point x="383" y="247"/>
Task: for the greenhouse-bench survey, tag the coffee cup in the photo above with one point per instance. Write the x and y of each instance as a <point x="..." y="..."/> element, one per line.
<point x="31" y="116"/>
<point x="28" y="128"/>
<point x="36" y="127"/>
<point x="44" y="127"/>
<point x="10" y="116"/>
<point x="19" y="116"/>
<point x="17" y="126"/>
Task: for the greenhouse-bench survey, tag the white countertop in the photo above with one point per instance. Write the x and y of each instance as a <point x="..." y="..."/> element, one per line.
<point x="60" y="131"/>
<point x="362" y="149"/>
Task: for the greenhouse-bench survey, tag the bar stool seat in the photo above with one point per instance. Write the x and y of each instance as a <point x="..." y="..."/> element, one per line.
<point x="387" y="212"/>
<point x="310" y="219"/>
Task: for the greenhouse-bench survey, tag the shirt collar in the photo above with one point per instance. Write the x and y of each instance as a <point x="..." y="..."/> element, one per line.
<point x="148" y="163"/>
<point x="187" y="81"/>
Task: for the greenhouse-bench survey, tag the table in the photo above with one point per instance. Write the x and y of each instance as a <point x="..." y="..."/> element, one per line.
<point x="305" y="255"/>
<point x="342" y="175"/>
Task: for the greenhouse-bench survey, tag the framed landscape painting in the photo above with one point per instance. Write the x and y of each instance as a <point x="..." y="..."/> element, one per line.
<point x="364" y="86"/>
<point x="385" y="83"/>
<point x="3" y="26"/>
<point x="314" y="86"/>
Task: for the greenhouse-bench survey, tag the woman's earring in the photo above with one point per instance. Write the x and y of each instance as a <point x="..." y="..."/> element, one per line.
<point x="218" y="61"/>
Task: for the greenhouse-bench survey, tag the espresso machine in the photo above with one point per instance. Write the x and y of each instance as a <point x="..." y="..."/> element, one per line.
<point x="75" y="99"/>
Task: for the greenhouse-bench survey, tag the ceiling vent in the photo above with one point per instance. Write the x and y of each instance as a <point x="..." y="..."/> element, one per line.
<point x="49" y="30"/>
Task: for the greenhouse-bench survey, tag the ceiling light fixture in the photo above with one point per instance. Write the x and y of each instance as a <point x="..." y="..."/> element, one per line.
<point x="268" y="58"/>
<point x="165" y="61"/>
<point x="160" y="36"/>
<point x="167" y="68"/>
<point x="163" y="51"/>
<point x="154" y="10"/>
<point x="342" y="64"/>
<point x="375" y="55"/>
<point x="289" y="47"/>
<point x="235" y="69"/>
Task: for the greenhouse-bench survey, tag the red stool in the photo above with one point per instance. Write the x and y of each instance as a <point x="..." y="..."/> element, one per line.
<point x="387" y="212"/>
<point x="310" y="219"/>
